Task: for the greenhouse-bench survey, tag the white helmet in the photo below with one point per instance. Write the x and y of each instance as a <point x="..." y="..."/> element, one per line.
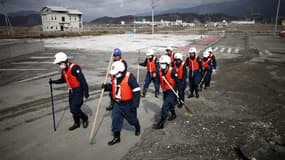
<point x="210" y="49"/>
<point x="150" y="52"/>
<point x="192" y="50"/>
<point x="169" y="48"/>
<point x="164" y="59"/>
<point x="117" y="67"/>
<point x="206" y="53"/>
<point x="60" y="57"/>
<point x="178" y="56"/>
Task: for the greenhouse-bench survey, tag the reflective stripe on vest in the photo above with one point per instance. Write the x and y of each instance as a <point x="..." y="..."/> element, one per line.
<point x="151" y="65"/>
<point x="179" y="70"/>
<point x="172" y="57"/>
<point x="122" y="91"/>
<point x="193" y="64"/>
<point x="169" y="79"/>
<point x="71" y="81"/>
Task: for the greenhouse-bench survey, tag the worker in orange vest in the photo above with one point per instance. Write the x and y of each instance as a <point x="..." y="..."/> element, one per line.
<point x="206" y="63"/>
<point x="72" y="75"/>
<point x="152" y="66"/>
<point x="117" y="56"/>
<point x="126" y="96"/>
<point x="194" y="64"/>
<point x="168" y="82"/>
<point x="181" y="69"/>
<point x="213" y="65"/>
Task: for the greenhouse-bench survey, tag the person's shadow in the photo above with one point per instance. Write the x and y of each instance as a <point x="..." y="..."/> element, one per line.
<point x="150" y="106"/>
<point x="147" y="106"/>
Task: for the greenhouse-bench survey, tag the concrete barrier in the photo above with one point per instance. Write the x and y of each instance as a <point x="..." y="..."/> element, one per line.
<point x="14" y="48"/>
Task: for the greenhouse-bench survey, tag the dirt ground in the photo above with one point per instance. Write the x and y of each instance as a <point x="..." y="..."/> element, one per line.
<point x="241" y="116"/>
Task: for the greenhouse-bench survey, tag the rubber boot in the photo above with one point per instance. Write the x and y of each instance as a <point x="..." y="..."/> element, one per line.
<point x="190" y="95"/>
<point x="159" y="125"/>
<point x="196" y="93"/>
<point x="207" y="84"/>
<point x="143" y="93"/>
<point x="76" y="124"/>
<point x="172" y="117"/>
<point x="138" y="129"/>
<point x="116" y="139"/>
<point x="156" y="94"/>
<point x="84" y="118"/>
<point x="201" y="87"/>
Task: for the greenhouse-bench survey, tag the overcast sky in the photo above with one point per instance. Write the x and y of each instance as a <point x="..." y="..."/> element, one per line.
<point x="97" y="8"/>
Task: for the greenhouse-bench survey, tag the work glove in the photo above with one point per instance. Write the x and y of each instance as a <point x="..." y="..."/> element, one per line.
<point x="50" y="81"/>
<point x="86" y="95"/>
<point x="103" y="86"/>
<point x="180" y="100"/>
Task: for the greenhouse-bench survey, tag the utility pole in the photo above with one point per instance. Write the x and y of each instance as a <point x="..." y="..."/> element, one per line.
<point x="153" y="6"/>
<point x="7" y="21"/>
<point x="276" y="20"/>
<point x="135" y="24"/>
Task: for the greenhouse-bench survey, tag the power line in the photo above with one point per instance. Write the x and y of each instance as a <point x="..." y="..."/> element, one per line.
<point x="154" y="4"/>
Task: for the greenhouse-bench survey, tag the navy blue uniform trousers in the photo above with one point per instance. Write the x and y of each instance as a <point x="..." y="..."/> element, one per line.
<point x="148" y="79"/>
<point x="75" y="103"/>
<point x="121" y="111"/>
<point x="181" y="89"/>
<point x="194" y="80"/>
<point x="169" y="100"/>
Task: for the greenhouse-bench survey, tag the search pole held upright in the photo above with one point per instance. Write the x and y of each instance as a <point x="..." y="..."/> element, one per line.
<point x="100" y="100"/>
<point x="138" y="70"/>
<point x="52" y="107"/>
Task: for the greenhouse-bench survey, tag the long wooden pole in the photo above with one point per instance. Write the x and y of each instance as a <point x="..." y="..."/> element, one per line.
<point x="203" y="78"/>
<point x="99" y="103"/>
<point x="186" y="107"/>
<point x="138" y="71"/>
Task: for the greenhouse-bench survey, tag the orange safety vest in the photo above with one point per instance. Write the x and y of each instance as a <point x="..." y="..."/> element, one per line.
<point x="71" y="81"/>
<point x="169" y="79"/>
<point x="122" y="91"/>
<point x="179" y="70"/>
<point x="151" y="65"/>
<point x="206" y="63"/>
<point x="193" y="64"/>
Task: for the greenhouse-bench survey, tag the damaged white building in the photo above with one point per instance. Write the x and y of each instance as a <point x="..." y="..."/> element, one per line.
<point x="61" y="19"/>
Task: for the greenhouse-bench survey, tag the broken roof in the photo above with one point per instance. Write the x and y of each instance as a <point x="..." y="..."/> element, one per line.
<point x="61" y="9"/>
